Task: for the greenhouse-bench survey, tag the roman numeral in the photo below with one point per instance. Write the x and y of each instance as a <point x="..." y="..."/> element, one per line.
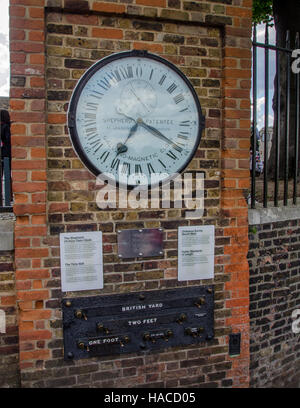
<point x="184" y="123"/>
<point x="104" y="83"/>
<point x="91" y="130"/>
<point x="96" y="144"/>
<point x="183" y="135"/>
<point x="104" y="156"/>
<point x="139" y="71"/>
<point x="150" y="168"/>
<point x="138" y="169"/>
<point x="161" y="81"/>
<point x="151" y="73"/>
<point x="183" y="110"/>
<point x="89" y="123"/>
<point x="126" y="72"/>
<point x="162" y="163"/>
<point x="97" y="94"/>
<point x="171" y="88"/>
<point x="97" y="148"/>
<point x="172" y="155"/>
<point x="176" y="147"/>
<point x="92" y="136"/>
<point x="92" y="106"/>
<point x="115" y="164"/>
<point x="126" y="168"/>
<point x="91" y="116"/>
<point x="114" y="78"/>
<point x="91" y="133"/>
<point x="178" y="98"/>
<point x="117" y="75"/>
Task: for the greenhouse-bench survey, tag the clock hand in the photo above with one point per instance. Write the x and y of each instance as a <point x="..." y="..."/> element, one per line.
<point x="154" y="131"/>
<point x="118" y="109"/>
<point x="138" y="98"/>
<point x="121" y="147"/>
<point x="131" y="131"/>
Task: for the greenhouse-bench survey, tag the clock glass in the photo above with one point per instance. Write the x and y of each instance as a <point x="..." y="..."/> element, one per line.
<point x="135" y="117"/>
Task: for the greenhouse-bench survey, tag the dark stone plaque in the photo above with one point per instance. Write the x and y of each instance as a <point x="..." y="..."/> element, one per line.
<point x="140" y="243"/>
<point x="137" y="322"/>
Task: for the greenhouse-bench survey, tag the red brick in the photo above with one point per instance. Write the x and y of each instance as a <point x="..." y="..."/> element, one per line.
<point x="82" y="19"/>
<point x="37" y="82"/>
<point x="38" y="59"/>
<point x="39" y="175"/>
<point x="57" y="118"/>
<point x="17" y="34"/>
<point x="58" y="207"/>
<point x="34" y="355"/>
<point x="36" y="12"/>
<point x="17" y="11"/>
<point x="148" y="46"/>
<point x="36" y="36"/>
<point x="108" y="7"/>
<point x="152" y="3"/>
<point x="110" y="33"/>
<point x="33" y="295"/>
<point x="35" y="335"/>
<point x="8" y="300"/>
<point x="22" y="209"/>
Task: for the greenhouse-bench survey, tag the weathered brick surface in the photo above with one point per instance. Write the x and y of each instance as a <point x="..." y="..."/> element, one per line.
<point x="54" y="193"/>
<point x="9" y="342"/>
<point x="274" y="295"/>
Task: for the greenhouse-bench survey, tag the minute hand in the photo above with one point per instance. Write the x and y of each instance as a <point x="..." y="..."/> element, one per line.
<point x="154" y="131"/>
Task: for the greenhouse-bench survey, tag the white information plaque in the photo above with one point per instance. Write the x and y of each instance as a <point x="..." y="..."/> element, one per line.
<point x="81" y="261"/>
<point x="196" y="248"/>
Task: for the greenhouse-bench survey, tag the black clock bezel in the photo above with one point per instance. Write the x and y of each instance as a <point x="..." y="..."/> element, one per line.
<point x="71" y="115"/>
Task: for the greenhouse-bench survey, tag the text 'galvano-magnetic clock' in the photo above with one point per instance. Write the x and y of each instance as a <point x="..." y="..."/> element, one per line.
<point x="135" y="117"/>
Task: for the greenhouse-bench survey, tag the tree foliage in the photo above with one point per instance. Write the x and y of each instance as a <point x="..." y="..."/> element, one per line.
<point x="262" y="11"/>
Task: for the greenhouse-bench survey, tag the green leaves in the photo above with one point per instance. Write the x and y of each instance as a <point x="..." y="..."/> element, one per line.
<point x="262" y="11"/>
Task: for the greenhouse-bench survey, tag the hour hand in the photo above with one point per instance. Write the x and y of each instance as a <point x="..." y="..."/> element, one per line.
<point x="154" y="131"/>
<point x="132" y="131"/>
<point x="121" y="147"/>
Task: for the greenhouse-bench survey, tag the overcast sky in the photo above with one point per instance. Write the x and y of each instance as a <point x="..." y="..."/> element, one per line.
<point x="4" y="54"/>
<point x="261" y="76"/>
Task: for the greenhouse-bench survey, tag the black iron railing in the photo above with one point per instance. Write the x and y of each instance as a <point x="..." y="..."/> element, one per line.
<point x="280" y="162"/>
<point x="5" y="185"/>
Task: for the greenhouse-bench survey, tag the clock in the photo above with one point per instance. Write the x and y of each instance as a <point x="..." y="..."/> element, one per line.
<point x="135" y="118"/>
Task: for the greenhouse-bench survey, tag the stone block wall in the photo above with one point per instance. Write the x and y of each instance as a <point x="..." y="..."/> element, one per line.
<point x="274" y="254"/>
<point x="9" y="341"/>
<point x="52" y="44"/>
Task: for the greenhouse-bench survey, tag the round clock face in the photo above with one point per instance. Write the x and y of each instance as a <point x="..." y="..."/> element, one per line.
<point x="136" y="118"/>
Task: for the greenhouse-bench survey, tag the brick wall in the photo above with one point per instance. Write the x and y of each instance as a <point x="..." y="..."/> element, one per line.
<point x="274" y="295"/>
<point x="9" y="344"/>
<point x="50" y="50"/>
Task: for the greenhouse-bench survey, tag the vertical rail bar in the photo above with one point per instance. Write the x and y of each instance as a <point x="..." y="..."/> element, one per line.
<point x="266" y="117"/>
<point x="287" y="128"/>
<point x="297" y="129"/>
<point x="1" y="196"/>
<point x="254" y="89"/>
<point x="7" y="176"/>
<point x="278" y="130"/>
